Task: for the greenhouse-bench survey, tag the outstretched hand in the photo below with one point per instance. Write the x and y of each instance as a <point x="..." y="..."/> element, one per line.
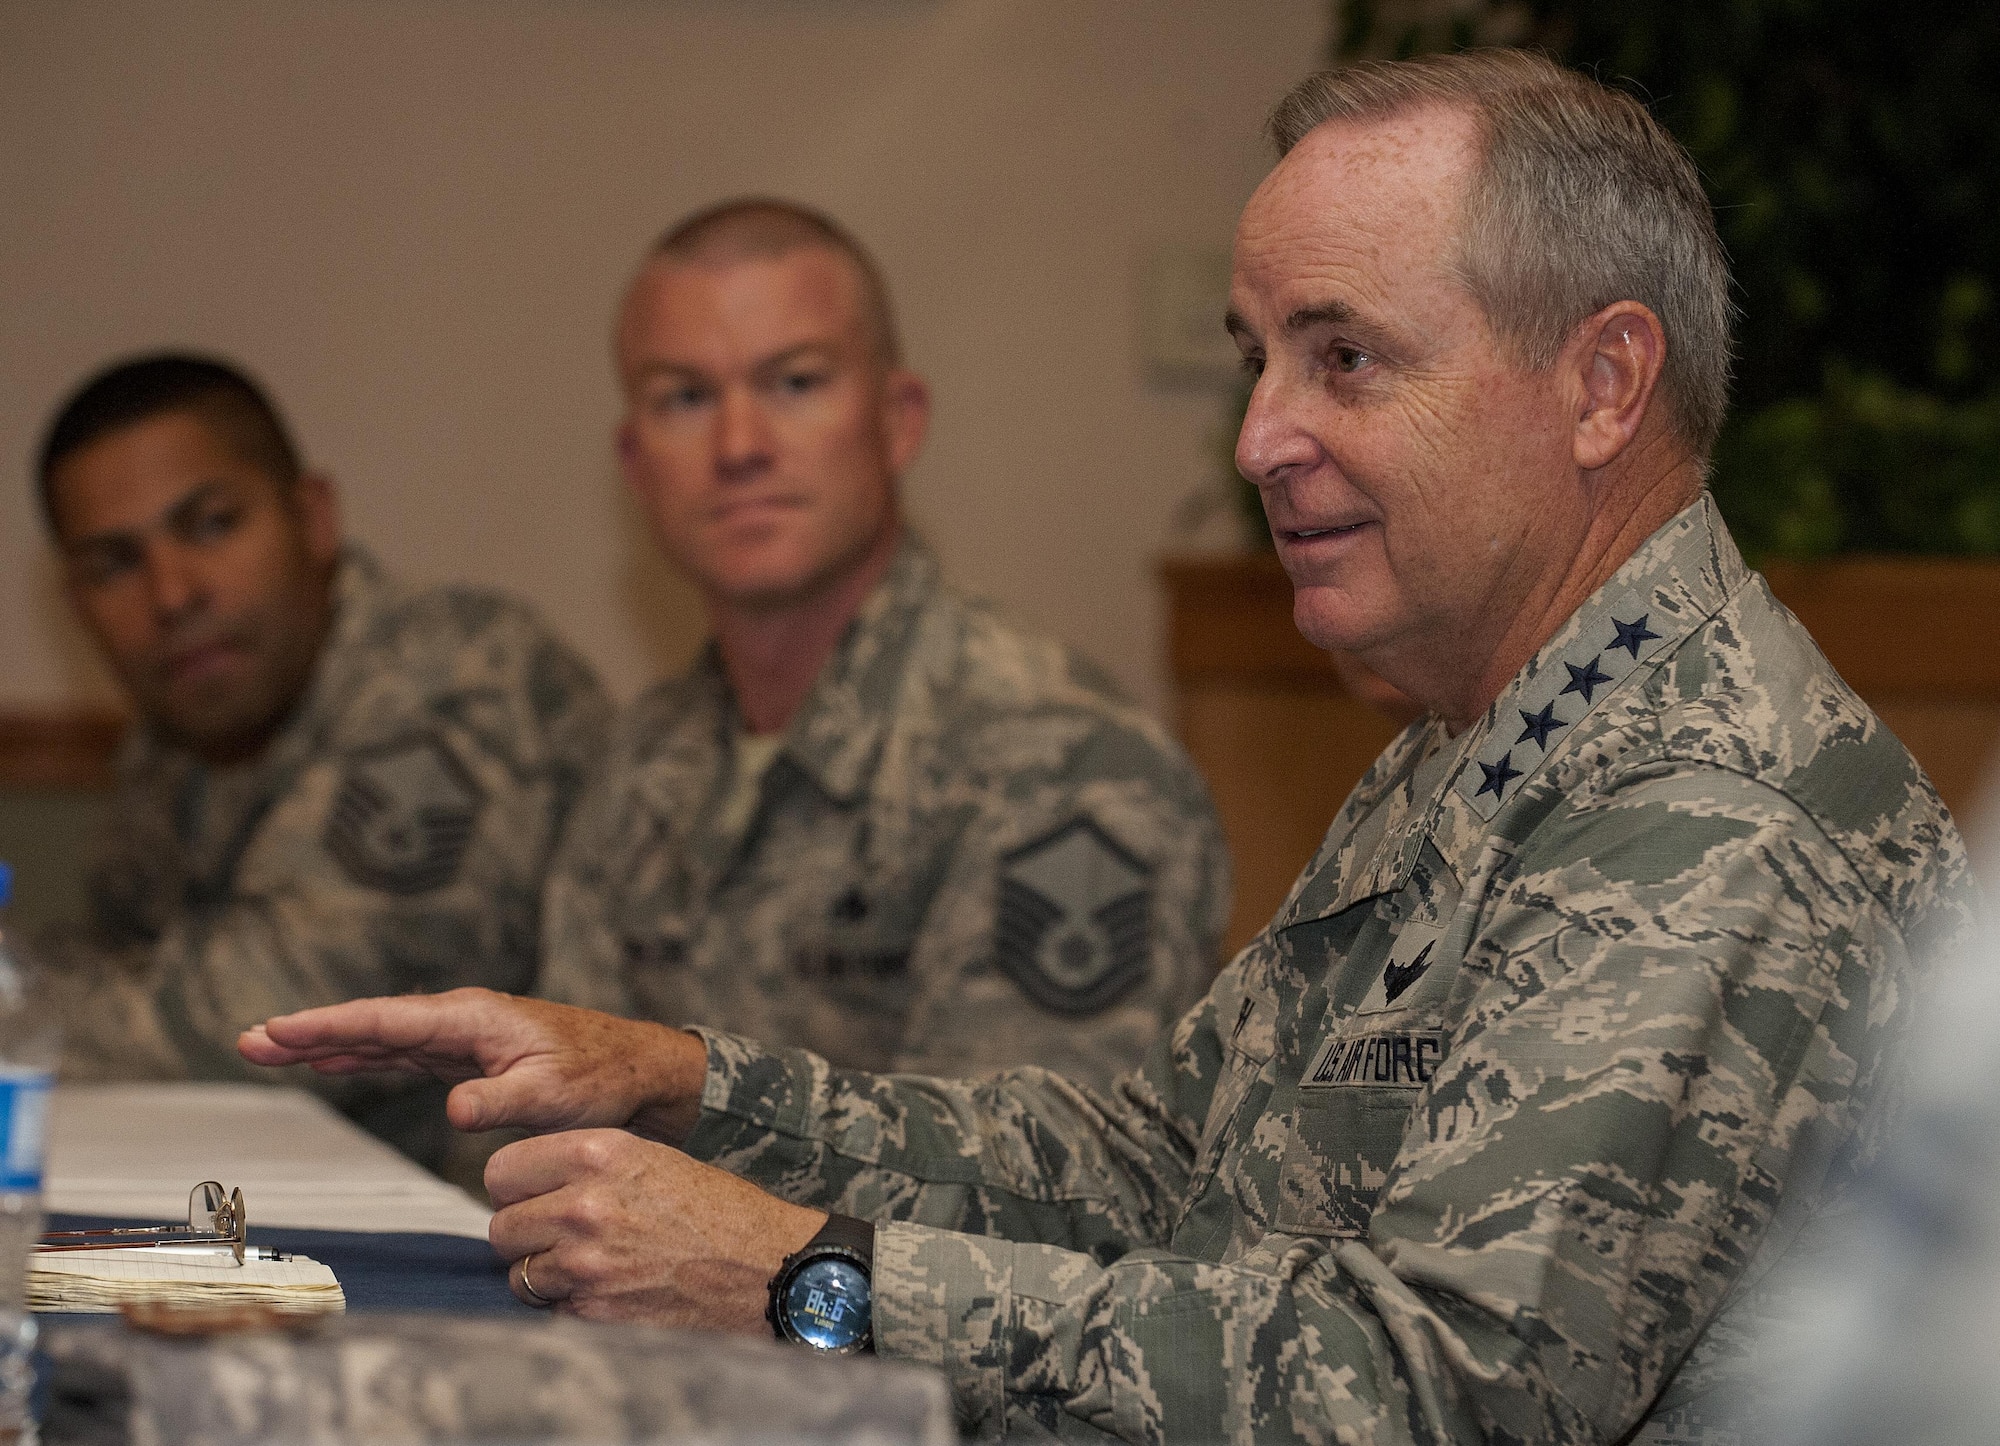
<point x="521" y="1063"/>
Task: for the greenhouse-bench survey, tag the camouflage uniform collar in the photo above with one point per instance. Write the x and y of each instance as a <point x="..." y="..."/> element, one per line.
<point x="836" y="737"/>
<point x="1569" y="691"/>
<point x="1679" y="578"/>
<point x="361" y="593"/>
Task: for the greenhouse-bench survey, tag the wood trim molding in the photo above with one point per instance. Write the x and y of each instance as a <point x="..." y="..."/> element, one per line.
<point x="1229" y="618"/>
<point x="1891" y="626"/>
<point x="1901" y="626"/>
<point x="60" y="747"/>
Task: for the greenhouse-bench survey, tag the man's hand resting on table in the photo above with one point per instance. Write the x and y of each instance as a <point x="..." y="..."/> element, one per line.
<point x="608" y="1225"/>
<point x="618" y="1228"/>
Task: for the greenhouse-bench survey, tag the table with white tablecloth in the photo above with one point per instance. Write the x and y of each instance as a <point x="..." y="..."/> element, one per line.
<point x="136" y="1150"/>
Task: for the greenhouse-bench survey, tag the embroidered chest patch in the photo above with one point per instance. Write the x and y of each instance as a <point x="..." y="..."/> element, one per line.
<point x="1388" y="1057"/>
<point x="403" y="817"/>
<point x="1412" y="973"/>
<point x="1074" y="921"/>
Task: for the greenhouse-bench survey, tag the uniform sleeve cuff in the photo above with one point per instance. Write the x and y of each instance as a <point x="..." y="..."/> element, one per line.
<point x="944" y="1299"/>
<point x="754" y="1102"/>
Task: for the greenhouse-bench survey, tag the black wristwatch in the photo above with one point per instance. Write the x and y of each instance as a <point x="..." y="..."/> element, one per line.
<point x="820" y="1297"/>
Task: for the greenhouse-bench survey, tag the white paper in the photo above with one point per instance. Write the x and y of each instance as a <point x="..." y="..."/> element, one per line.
<point x="133" y="1151"/>
<point x="100" y="1281"/>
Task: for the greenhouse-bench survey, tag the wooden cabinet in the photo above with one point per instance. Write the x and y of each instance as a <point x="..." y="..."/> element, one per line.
<point x="59" y="748"/>
<point x="1267" y="719"/>
<point x="1282" y="741"/>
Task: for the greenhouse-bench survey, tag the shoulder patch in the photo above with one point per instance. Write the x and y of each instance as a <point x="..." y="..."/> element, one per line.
<point x="1074" y="929"/>
<point x="403" y="817"/>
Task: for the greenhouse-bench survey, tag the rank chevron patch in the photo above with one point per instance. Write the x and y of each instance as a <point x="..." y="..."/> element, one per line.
<point x="1074" y="926"/>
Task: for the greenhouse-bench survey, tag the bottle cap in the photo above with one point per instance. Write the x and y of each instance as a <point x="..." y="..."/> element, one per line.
<point x="6" y="884"/>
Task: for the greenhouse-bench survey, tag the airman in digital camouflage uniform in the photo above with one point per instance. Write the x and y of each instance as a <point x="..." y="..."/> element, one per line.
<point x="1577" y="1029"/>
<point x="338" y="787"/>
<point x="874" y="820"/>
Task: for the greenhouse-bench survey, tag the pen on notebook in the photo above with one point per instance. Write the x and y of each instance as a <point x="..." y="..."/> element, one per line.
<point x="250" y="1252"/>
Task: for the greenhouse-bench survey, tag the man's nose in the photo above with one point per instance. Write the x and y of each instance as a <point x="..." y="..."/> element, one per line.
<point x="742" y="440"/>
<point x="173" y="581"/>
<point x="1272" y="444"/>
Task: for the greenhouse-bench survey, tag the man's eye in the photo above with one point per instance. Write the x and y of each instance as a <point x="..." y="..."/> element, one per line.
<point x="797" y="384"/>
<point x="676" y="399"/>
<point x="1253" y="365"/>
<point x="1348" y="358"/>
<point x="212" y="525"/>
<point x="102" y="566"/>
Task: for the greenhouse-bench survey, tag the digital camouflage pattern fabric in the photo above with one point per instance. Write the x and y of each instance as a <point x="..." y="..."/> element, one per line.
<point x="964" y="853"/>
<point x="393" y="837"/>
<point x="389" y="1378"/>
<point x="1575" y="1025"/>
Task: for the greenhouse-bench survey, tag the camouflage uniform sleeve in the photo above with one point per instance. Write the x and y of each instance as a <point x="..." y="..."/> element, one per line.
<point x="1080" y="915"/>
<point x="1025" y="1152"/>
<point x="408" y="862"/>
<point x="1679" y="995"/>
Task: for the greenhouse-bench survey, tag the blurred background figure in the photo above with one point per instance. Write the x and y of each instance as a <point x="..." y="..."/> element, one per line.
<point x="417" y="218"/>
<point x="335" y="786"/>
<point x="1891" y="1327"/>
<point x="875" y="819"/>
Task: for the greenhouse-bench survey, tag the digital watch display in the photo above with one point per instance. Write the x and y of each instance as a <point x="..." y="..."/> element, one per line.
<point x="820" y="1296"/>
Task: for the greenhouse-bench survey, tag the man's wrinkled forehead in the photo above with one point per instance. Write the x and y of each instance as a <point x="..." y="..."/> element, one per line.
<point x="1364" y="199"/>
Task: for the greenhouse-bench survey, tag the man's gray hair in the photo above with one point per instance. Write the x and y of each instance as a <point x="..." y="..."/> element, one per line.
<point x="1580" y="199"/>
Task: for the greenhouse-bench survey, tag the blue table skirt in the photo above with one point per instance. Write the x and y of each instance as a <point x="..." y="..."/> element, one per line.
<point x="399" y="1272"/>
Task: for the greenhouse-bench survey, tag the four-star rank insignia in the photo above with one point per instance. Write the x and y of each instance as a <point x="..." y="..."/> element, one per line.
<point x="1555" y="698"/>
<point x="1074" y="928"/>
<point x="403" y="817"/>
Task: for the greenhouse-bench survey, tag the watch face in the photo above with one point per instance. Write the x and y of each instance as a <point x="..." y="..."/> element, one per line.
<point x="826" y="1304"/>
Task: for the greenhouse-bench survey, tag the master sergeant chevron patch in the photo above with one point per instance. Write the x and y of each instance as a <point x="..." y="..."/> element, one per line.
<point x="1074" y="929"/>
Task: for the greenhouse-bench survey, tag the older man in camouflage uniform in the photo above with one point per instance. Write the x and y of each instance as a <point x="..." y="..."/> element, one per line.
<point x="338" y="787"/>
<point x="1579" y="1024"/>
<point x="875" y="820"/>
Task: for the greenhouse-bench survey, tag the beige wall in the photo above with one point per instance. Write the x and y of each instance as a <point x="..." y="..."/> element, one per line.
<point x="412" y="217"/>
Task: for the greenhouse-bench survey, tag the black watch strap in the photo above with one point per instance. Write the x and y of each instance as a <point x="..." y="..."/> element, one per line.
<point x="845" y="1230"/>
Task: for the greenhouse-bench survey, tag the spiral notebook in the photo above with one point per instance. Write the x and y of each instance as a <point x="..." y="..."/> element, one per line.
<point x="100" y="1281"/>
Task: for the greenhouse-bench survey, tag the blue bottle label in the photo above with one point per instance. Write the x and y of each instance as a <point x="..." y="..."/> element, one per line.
<point x="24" y="1126"/>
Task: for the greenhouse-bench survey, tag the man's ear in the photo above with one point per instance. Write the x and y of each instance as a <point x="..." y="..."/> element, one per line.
<point x="318" y="508"/>
<point x="1615" y="357"/>
<point x="906" y="417"/>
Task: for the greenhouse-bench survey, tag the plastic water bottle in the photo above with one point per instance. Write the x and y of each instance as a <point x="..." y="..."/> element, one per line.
<point x="29" y="1048"/>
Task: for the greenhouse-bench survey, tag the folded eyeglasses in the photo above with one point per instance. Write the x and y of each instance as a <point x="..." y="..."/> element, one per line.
<point x="213" y="1219"/>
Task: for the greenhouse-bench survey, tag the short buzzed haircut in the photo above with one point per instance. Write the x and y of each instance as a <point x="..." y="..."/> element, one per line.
<point x="1579" y="199"/>
<point x="761" y="227"/>
<point x="140" y="388"/>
